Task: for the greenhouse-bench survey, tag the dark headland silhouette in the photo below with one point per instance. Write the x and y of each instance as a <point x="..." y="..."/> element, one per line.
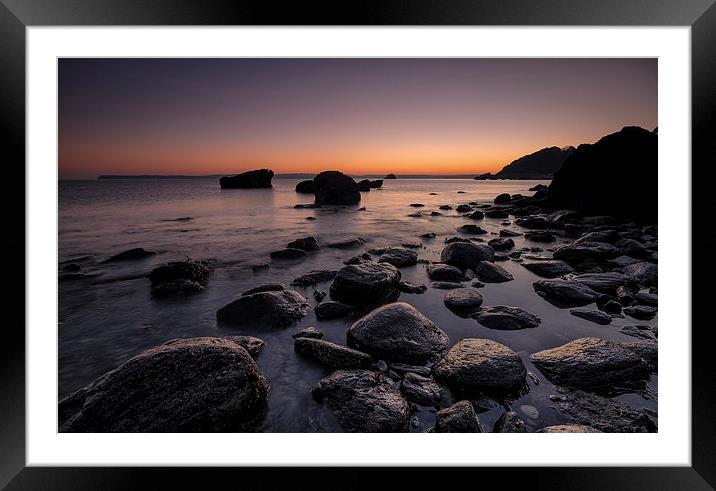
<point x="541" y="164"/>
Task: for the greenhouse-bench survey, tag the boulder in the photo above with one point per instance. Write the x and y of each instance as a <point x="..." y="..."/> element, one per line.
<point x="463" y="208"/>
<point x="425" y="391"/>
<point x="366" y="284"/>
<point x="549" y="269"/>
<point x="506" y="318"/>
<point x="503" y="198"/>
<point x="307" y="244"/>
<point x="252" y="179"/>
<point x="332" y="310"/>
<point x="501" y="243"/>
<point x="306" y="187"/>
<point x="364" y="401"/>
<point x="592" y="364"/>
<point x="475" y="365"/>
<point x="129" y="255"/>
<point x="331" y="354"/>
<point x="645" y="274"/>
<point x="348" y="243"/>
<point x="335" y="188"/>
<point x="408" y="287"/>
<point x="509" y="422"/>
<point x="170" y="288"/>
<point x="608" y="236"/>
<point x="179" y="277"/>
<point x="641" y="312"/>
<point x="604" y="282"/>
<point x="458" y="418"/>
<point x="471" y="229"/>
<point x="466" y="254"/>
<point x="540" y="236"/>
<point x="398" y="332"/>
<point x="509" y="233"/>
<point x="251" y="344"/>
<point x="309" y="332"/>
<point x="463" y="301"/>
<point x="564" y="293"/>
<point x="289" y="254"/>
<point x="272" y="309"/>
<point x="268" y="287"/>
<point x="399" y="257"/>
<point x="364" y="185"/>
<point x="497" y="213"/>
<point x="602" y="414"/>
<point x="445" y="285"/>
<point x="586" y="252"/>
<point x="444" y="272"/>
<point x="646" y="298"/>
<point x="568" y="429"/>
<point x="313" y="277"/>
<point x="592" y="315"/>
<point x="376" y="184"/>
<point x="390" y="176"/>
<point x="185" y="385"/>
<point x="488" y="272"/>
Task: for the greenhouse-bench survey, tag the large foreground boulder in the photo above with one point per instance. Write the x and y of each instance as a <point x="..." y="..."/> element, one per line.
<point x="252" y="179"/>
<point x="335" y="188"/>
<point x="465" y="255"/>
<point x="475" y="365"/>
<point x="592" y="364"/>
<point x="364" y="401"/>
<point x="186" y="385"/>
<point x="366" y="284"/>
<point x="616" y="176"/>
<point x="398" y="332"/>
<point x="271" y="309"/>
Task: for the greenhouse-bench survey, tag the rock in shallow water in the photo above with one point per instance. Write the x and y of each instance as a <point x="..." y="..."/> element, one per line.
<point x="290" y="254"/>
<point x="501" y="243"/>
<point x="646" y="274"/>
<point x="458" y="418"/>
<point x="305" y="244"/>
<point x="332" y="310"/>
<point x="568" y="429"/>
<point x="260" y="178"/>
<point x="408" y="287"/>
<point x="185" y="385"/>
<point x="605" y="415"/>
<point x="488" y="272"/>
<point x="265" y="309"/>
<point x="586" y="252"/>
<point x="399" y="257"/>
<point x="179" y="277"/>
<point x="398" y="332"/>
<point x="466" y="254"/>
<point x="509" y="422"/>
<point x="444" y="272"/>
<point x="331" y="354"/>
<point x="309" y="332"/>
<point x="506" y="318"/>
<point x="592" y="364"/>
<point x="592" y="315"/>
<point x="641" y="312"/>
<point x="313" y="277"/>
<point x="364" y="401"/>
<point x="475" y="365"/>
<point x="335" y="188"/>
<point x="130" y="255"/>
<point x="425" y="391"/>
<point x="366" y="284"/>
<point x="463" y="301"/>
<point x="549" y="269"/>
<point x="564" y="293"/>
<point x="267" y="287"/>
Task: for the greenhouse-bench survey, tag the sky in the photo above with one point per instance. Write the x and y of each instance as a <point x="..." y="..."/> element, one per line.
<point x="358" y="115"/>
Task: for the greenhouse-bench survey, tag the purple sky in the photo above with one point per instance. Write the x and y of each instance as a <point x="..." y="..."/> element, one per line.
<point x="360" y="115"/>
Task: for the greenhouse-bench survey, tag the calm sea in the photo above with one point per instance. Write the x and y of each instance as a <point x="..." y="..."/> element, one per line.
<point x="111" y="317"/>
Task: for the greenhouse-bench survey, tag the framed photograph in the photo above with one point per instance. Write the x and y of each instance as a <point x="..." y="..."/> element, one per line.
<point x="419" y="236"/>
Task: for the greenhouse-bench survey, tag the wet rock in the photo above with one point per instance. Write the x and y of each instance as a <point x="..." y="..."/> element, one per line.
<point x="445" y="285"/>
<point x="608" y="236"/>
<point x="268" y="287"/>
<point x="291" y="254"/>
<point x="463" y="208"/>
<point x="175" y="287"/>
<point x="412" y="245"/>
<point x="509" y="422"/>
<point x="181" y="277"/>
<point x="592" y="364"/>
<point x="260" y="178"/>
<point x="307" y="244"/>
<point x="646" y="274"/>
<point x="398" y="332"/>
<point x="540" y="236"/>
<point x="639" y="331"/>
<point x="586" y="252"/>
<point x="331" y="354"/>
<point x="603" y="414"/>
<point x="273" y="309"/>
<point x="362" y="258"/>
<point x="646" y="298"/>
<point x="506" y="318"/>
<point x="390" y="176"/>
<point x="458" y="418"/>
<point x="549" y="269"/>
<point x="501" y="244"/>
<point x="444" y="272"/>
<point x="366" y="284"/>
<point x="364" y="401"/>
<point x="425" y="391"/>
<point x="376" y="184"/>
<point x="630" y="247"/>
<point x="503" y="198"/>
<point x="641" y="312"/>
<point x="428" y="235"/>
<point x="471" y="229"/>
<point x="535" y="223"/>
<point x="568" y="429"/>
<point x="538" y="187"/>
<point x="508" y="233"/>
<point x="309" y="332"/>
<point x="476" y="215"/>
<point x="319" y="295"/>
<point x="603" y="282"/>
<point x="399" y="257"/>
<point x="347" y="244"/>
<point x="563" y="293"/>
<point x="612" y="307"/>
<point x="488" y="272"/>
<point x="130" y="255"/>
<point x="185" y="385"/>
<point x="445" y="207"/>
<point x="463" y="301"/>
<point x="450" y="240"/>
<point x="592" y="315"/>
<point x="335" y="188"/>
<point x="257" y="268"/>
<point x="250" y="343"/>
<point x="622" y="261"/>
<point x="306" y="187"/>
<point x="625" y="295"/>
<point x="332" y="310"/>
<point x="407" y="287"/>
<point x="647" y="350"/>
<point x="364" y="185"/>
<point x="496" y="213"/>
<point x="306" y="206"/>
<point x="313" y="277"/>
<point x="71" y="268"/>
<point x="474" y="365"/>
<point x="416" y="205"/>
<point x="466" y="254"/>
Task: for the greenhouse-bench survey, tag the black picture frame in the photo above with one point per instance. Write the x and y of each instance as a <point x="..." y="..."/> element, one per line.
<point x="16" y="15"/>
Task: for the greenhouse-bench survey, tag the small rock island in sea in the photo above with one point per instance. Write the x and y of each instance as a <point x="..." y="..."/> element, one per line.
<point x="252" y="179"/>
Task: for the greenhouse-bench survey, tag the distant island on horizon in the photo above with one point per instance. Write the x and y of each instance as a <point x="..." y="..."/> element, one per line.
<point x="277" y="176"/>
